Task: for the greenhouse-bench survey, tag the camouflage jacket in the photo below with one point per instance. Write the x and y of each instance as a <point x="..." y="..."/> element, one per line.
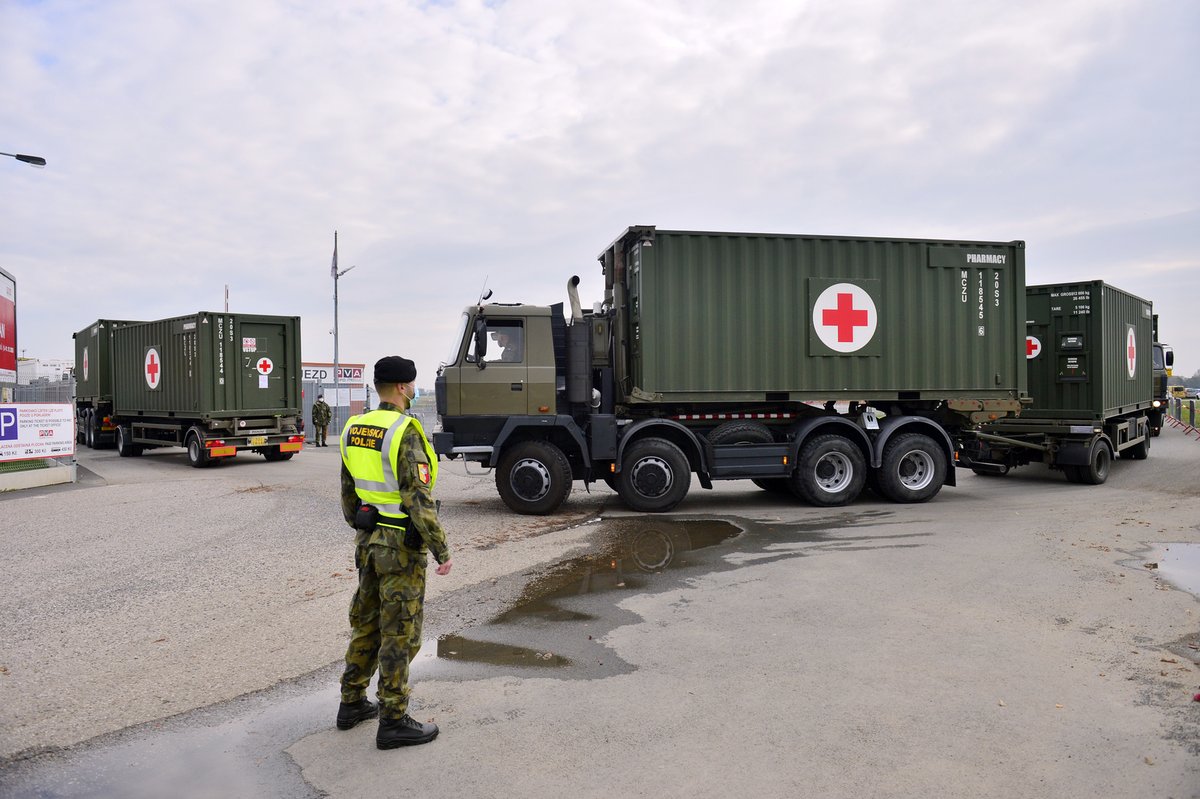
<point x="414" y="494"/>
<point x="321" y="413"/>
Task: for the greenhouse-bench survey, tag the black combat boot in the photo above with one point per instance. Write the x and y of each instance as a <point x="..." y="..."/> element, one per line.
<point x="353" y="713"/>
<point x="404" y="731"/>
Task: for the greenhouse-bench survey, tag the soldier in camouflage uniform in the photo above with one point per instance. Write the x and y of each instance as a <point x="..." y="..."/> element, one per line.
<point x="321" y="414"/>
<point x="394" y="478"/>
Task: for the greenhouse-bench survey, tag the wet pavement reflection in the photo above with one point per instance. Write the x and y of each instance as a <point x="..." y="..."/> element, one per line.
<point x="1179" y="564"/>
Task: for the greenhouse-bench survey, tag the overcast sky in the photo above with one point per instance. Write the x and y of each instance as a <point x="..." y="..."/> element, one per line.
<point x="193" y="145"/>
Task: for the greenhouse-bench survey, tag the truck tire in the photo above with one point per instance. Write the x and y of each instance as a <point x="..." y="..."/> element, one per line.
<point x="739" y="432"/>
<point x="90" y="435"/>
<point x="830" y="471"/>
<point x="80" y="429"/>
<point x="534" y="478"/>
<point x="1139" y="451"/>
<point x="913" y="468"/>
<point x="1099" y="462"/>
<point x="197" y="455"/>
<point x="655" y="476"/>
<point x="125" y="446"/>
<point x="750" y="433"/>
<point x="276" y="454"/>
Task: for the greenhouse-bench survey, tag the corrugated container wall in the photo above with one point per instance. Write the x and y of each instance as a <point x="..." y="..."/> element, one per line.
<point x="210" y="365"/>
<point x="744" y="317"/>
<point x="1089" y="349"/>
<point x="93" y="360"/>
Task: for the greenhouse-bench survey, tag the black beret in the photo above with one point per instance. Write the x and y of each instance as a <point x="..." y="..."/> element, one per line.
<point x="394" y="369"/>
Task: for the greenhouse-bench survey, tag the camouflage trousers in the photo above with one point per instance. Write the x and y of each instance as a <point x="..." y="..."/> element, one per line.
<point x="385" y="622"/>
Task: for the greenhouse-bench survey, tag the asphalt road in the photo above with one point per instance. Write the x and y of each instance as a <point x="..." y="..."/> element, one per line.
<point x="171" y="629"/>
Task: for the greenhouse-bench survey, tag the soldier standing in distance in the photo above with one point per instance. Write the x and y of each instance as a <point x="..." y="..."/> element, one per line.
<point x="388" y="472"/>
<point x="321" y="414"/>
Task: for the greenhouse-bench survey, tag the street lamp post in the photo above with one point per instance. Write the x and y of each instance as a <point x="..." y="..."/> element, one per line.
<point x="35" y="160"/>
<point x="337" y="367"/>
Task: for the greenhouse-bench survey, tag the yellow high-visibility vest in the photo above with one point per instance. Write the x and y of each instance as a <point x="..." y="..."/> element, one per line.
<point x="370" y="445"/>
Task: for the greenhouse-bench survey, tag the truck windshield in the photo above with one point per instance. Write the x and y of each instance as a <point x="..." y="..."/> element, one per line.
<point x="458" y="339"/>
<point x="1159" y="361"/>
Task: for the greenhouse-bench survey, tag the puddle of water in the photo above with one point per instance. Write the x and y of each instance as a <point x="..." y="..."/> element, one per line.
<point x="1179" y="564"/>
<point x="555" y="629"/>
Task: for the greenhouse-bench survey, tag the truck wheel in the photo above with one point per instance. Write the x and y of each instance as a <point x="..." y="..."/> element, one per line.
<point x="655" y="476"/>
<point x="1139" y="451"/>
<point x="80" y="429"/>
<point x="276" y="454"/>
<point x="830" y="471"/>
<point x="534" y="478"/>
<point x="90" y="435"/>
<point x="125" y="447"/>
<point x="913" y="468"/>
<point x="772" y="485"/>
<point x="741" y="433"/>
<point x="197" y="455"/>
<point x="1099" y="461"/>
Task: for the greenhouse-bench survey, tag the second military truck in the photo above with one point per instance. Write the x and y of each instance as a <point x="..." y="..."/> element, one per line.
<point x="810" y="364"/>
<point x="213" y="383"/>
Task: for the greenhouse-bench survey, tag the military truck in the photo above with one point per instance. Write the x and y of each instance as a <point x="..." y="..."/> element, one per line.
<point x="1090" y="381"/>
<point x="811" y="365"/>
<point x="94" y="426"/>
<point x="1162" y="365"/>
<point x="213" y="383"/>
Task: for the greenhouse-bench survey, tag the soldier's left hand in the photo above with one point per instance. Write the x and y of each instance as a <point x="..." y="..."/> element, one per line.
<point x="444" y="568"/>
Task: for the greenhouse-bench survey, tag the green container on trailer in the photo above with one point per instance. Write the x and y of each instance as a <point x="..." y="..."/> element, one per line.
<point x="1089" y="348"/>
<point x="93" y="360"/>
<point x="745" y="317"/>
<point x="208" y="366"/>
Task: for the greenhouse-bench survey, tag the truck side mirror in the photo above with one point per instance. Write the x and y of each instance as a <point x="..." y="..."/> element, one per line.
<point x="480" y="341"/>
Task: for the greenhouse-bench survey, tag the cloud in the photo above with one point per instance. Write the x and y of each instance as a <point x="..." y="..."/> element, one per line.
<point x="197" y="145"/>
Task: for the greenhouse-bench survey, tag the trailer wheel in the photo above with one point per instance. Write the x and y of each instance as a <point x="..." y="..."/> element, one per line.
<point x="830" y="471"/>
<point x="125" y="447"/>
<point x="90" y="435"/>
<point x="913" y="468"/>
<point x="1139" y="451"/>
<point x="1099" y="461"/>
<point x="80" y="429"/>
<point x="534" y="478"/>
<point x="276" y="454"/>
<point x="655" y="476"/>
<point x="197" y="455"/>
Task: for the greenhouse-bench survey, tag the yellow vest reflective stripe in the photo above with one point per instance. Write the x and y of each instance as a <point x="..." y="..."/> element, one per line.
<point x="370" y="445"/>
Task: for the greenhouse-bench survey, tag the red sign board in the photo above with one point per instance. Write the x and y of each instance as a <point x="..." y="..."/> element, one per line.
<point x="8" y="328"/>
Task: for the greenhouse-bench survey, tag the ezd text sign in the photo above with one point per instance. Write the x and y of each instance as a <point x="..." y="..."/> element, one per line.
<point x="36" y="430"/>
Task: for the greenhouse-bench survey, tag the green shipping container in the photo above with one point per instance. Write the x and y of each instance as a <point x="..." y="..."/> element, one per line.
<point x="757" y="317"/>
<point x="93" y="360"/>
<point x="208" y="366"/>
<point x="1089" y="349"/>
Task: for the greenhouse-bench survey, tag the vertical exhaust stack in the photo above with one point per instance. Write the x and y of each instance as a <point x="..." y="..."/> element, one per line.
<point x="579" y="350"/>
<point x="573" y="295"/>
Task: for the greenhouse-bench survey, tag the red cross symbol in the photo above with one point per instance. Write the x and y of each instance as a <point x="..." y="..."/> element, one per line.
<point x="844" y="317"/>
<point x="1131" y="352"/>
<point x="153" y="368"/>
<point x="1032" y="347"/>
<point x="265" y="366"/>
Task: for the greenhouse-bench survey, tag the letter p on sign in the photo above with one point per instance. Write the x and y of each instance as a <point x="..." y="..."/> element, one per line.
<point x="8" y="424"/>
